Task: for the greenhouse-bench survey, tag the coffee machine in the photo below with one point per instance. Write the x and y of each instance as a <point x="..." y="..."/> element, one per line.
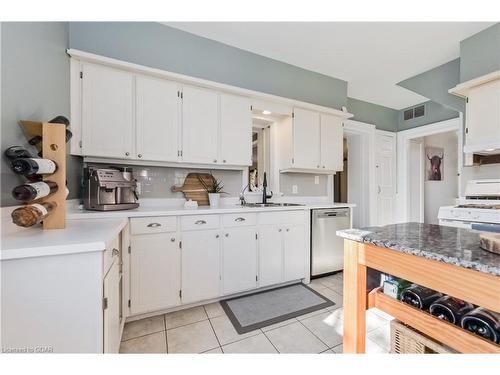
<point x="109" y="189"/>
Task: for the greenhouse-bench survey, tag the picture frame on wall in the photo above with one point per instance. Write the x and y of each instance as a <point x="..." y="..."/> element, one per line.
<point x="435" y="156"/>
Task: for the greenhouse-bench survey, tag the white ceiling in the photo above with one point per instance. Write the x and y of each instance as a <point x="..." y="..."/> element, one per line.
<point x="372" y="57"/>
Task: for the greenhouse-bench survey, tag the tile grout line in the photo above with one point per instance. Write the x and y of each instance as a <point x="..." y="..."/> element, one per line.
<point x="138" y="337"/>
<point x="213" y="330"/>
<point x="166" y="334"/>
<point x="314" y="334"/>
<point x="268" y="339"/>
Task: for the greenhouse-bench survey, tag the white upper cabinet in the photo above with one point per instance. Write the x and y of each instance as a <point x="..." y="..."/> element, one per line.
<point x="306" y="139"/>
<point x="311" y="142"/>
<point x="157" y="119"/>
<point x="107" y="112"/>
<point x="200" y="125"/>
<point x="331" y="142"/>
<point x="235" y="130"/>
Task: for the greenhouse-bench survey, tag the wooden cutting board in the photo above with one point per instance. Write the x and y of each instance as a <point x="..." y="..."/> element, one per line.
<point x="490" y="242"/>
<point x="193" y="188"/>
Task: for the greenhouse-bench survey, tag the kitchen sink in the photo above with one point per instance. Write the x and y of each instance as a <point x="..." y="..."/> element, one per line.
<point x="271" y="204"/>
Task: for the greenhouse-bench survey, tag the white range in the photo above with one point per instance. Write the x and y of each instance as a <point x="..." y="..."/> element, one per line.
<point x="480" y="206"/>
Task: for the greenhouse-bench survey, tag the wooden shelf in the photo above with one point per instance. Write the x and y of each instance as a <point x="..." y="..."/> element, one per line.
<point x="53" y="147"/>
<point x="442" y="331"/>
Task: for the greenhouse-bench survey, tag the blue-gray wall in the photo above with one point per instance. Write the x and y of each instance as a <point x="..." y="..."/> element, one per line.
<point x="480" y="53"/>
<point x="382" y="117"/>
<point x="163" y="47"/>
<point x="435" y="83"/>
<point x="35" y="86"/>
<point x="434" y="112"/>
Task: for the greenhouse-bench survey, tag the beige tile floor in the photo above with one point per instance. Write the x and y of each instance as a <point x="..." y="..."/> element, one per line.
<point x="207" y="329"/>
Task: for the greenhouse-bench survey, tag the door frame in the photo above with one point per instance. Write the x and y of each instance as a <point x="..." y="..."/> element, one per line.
<point x="366" y="132"/>
<point x="403" y="160"/>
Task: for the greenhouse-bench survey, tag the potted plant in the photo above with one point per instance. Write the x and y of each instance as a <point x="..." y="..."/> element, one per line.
<point x="214" y="189"/>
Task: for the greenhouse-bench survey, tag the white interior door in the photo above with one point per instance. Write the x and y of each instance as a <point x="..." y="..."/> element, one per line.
<point x="386" y="176"/>
<point x="306" y="139"/>
<point x="200" y="125"/>
<point x="158" y="119"/>
<point x="270" y="255"/>
<point x="107" y="112"/>
<point x="239" y="259"/>
<point x="235" y="130"/>
<point x="332" y="143"/>
<point x="155" y="272"/>
<point x="200" y="265"/>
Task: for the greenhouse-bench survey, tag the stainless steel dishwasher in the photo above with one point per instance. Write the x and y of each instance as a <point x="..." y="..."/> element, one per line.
<point x="327" y="249"/>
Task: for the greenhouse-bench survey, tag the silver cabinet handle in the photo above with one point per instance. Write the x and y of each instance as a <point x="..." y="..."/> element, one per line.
<point x="319" y="166"/>
<point x="216" y="236"/>
<point x="215" y="160"/>
<point x="127" y="153"/>
<point x="224" y="160"/>
<point x="200" y="222"/>
<point x="240" y="219"/>
<point x="288" y="229"/>
<point x="115" y="252"/>
<point x="172" y="239"/>
<point x="379" y="189"/>
<point x="154" y="225"/>
<point x="323" y="166"/>
<point x="279" y="230"/>
<point x="140" y="155"/>
<point x="227" y="234"/>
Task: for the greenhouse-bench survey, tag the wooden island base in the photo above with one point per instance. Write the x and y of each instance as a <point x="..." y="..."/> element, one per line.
<point x="475" y="287"/>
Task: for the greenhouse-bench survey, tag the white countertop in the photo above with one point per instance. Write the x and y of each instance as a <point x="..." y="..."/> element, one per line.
<point x="88" y="231"/>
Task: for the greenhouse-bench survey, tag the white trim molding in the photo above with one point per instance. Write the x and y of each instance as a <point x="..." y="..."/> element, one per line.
<point x="403" y="139"/>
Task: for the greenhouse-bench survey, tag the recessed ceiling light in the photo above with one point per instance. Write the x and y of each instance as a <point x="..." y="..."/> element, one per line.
<point x="488" y="149"/>
<point x="266" y="112"/>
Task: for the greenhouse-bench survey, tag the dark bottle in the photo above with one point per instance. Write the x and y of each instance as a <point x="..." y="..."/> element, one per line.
<point x="30" y="215"/>
<point x="31" y="166"/>
<point x="484" y="323"/>
<point x="15" y="152"/>
<point x="34" y="190"/>
<point x="450" y="309"/>
<point x="56" y="120"/>
<point x="419" y="296"/>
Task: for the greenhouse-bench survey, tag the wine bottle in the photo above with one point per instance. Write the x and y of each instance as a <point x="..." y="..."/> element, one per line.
<point x="15" y="152"/>
<point x="34" y="190"/>
<point x="419" y="296"/>
<point x="31" y="166"/>
<point x="56" y="120"/>
<point x="484" y="323"/>
<point x="28" y="216"/>
<point x="450" y="309"/>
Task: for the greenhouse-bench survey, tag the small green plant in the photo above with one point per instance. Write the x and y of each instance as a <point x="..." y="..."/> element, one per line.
<point x="214" y="186"/>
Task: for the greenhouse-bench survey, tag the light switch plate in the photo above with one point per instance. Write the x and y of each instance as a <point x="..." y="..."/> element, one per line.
<point x="295" y="189"/>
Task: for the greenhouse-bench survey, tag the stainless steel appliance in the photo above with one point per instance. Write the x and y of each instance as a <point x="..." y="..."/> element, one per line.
<point x="108" y="189"/>
<point x="481" y="205"/>
<point x="327" y="249"/>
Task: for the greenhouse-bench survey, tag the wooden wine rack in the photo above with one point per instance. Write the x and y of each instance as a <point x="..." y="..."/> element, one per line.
<point x="53" y="147"/>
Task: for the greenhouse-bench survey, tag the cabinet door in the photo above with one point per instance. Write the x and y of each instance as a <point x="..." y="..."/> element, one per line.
<point x="107" y="112"/>
<point x="200" y="265"/>
<point x="155" y="272"/>
<point x="332" y="143"/>
<point x="483" y="117"/>
<point x="158" y="119"/>
<point x="236" y="130"/>
<point x="294" y="252"/>
<point x="200" y="124"/>
<point x="270" y="255"/>
<point x="111" y="316"/>
<point x="239" y="259"/>
<point x="306" y="139"/>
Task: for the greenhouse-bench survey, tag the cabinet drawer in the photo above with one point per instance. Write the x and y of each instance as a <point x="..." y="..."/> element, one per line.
<point x="281" y="217"/>
<point x="239" y="220"/>
<point x="111" y="253"/>
<point x="145" y="225"/>
<point x="200" y="222"/>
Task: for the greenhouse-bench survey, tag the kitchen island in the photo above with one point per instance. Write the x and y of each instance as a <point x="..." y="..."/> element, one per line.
<point x="445" y="259"/>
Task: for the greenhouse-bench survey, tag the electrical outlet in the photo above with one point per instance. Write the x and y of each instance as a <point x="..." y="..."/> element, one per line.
<point x="316" y="180"/>
<point x="295" y="189"/>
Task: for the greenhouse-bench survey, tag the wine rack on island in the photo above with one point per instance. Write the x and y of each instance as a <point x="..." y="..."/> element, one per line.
<point x="52" y="146"/>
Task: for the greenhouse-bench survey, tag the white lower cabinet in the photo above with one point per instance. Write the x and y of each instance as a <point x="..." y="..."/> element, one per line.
<point x="200" y="265"/>
<point x="155" y="263"/>
<point x="270" y="255"/>
<point x="239" y="259"/>
<point x="294" y="252"/>
<point x="112" y="309"/>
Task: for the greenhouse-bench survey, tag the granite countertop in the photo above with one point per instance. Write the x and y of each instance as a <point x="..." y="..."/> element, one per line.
<point x="451" y="245"/>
